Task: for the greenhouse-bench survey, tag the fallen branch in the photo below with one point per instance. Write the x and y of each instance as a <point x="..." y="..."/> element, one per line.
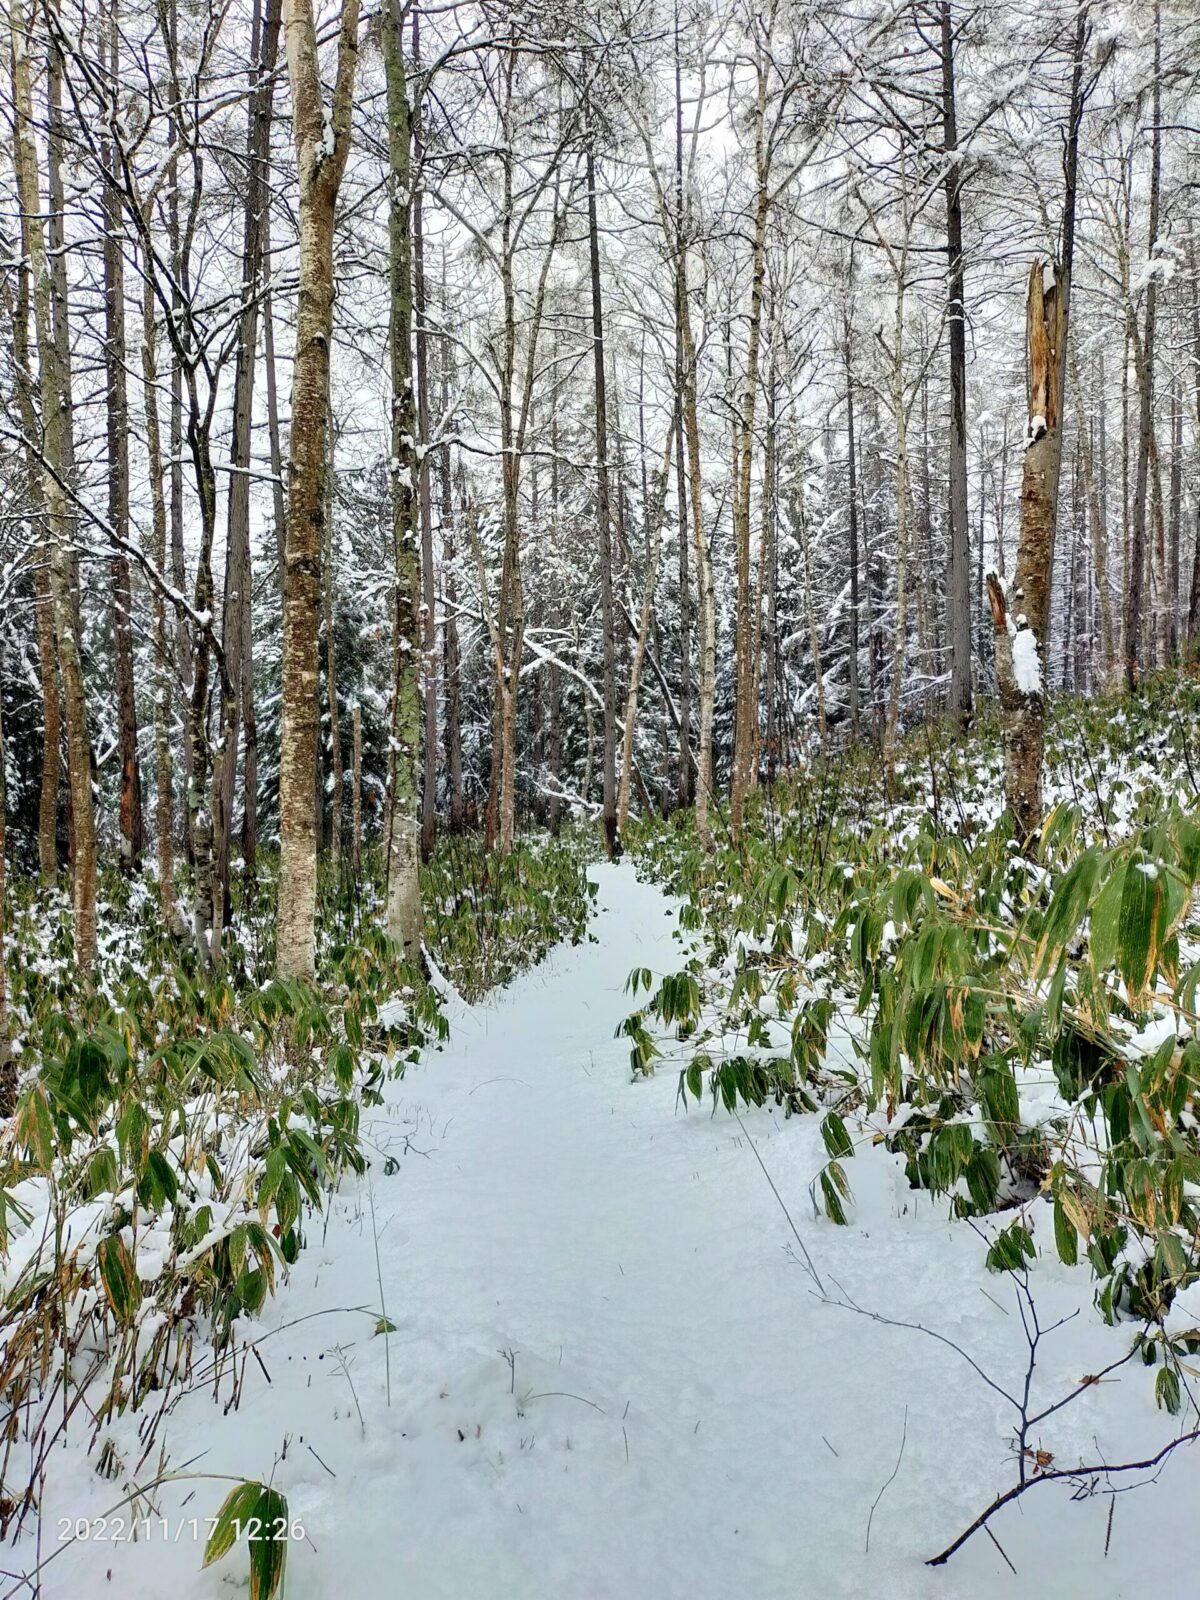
<point x="1070" y="1473"/>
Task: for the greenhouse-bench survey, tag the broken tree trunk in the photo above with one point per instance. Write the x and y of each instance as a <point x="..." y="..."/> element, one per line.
<point x="1021" y="612"/>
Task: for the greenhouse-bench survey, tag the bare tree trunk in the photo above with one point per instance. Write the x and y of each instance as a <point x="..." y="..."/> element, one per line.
<point x="451" y="659"/>
<point x="554" y="746"/>
<point x="337" y="772"/>
<point x="655" y="515"/>
<point x="1171" y="629"/>
<point x="236" y="618"/>
<point x="900" y="638"/>
<point x="705" y="607"/>
<point x="43" y="599"/>
<point x="609" y="813"/>
<point x="810" y="611"/>
<point x="163" y="652"/>
<point x="180" y="267"/>
<point x="322" y="138"/>
<point x="1021" y="614"/>
<point x="1192" y="627"/>
<point x="1021" y="638"/>
<point x="274" y="432"/>
<point x="852" y="492"/>
<point x="57" y="472"/>
<point x="429" y="663"/>
<point x="356" y="790"/>
<point x="958" y="597"/>
<point x="746" y="707"/>
<point x="1096" y="519"/>
<point x="685" y="782"/>
<point x="403" y="855"/>
<point x="8" y="1067"/>
<point x="117" y="415"/>
<point x="768" y="535"/>
<point x="1138" y="554"/>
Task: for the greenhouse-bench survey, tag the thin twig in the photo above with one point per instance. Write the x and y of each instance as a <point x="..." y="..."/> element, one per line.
<point x="812" y="1271"/>
<point x="890" y="1481"/>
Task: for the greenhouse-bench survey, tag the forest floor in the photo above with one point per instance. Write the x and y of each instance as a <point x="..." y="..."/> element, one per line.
<point x="611" y="1375"/>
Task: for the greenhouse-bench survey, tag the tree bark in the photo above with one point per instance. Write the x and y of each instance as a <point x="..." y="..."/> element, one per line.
<point x="356" y="789"/>
<point x="655" y="515"/>
<point x="852" y="492"/>
<point x="1021" y="615"/>
<point x="1138" y="554"/>
<point x="117" y="417"/>
<point x="236" y="611"/>
<point x="337" y="772"/>
<point x="43" y="599"/>
<point x="403" y="854"/>
<point x="57" y="473"/>
<point x="1096" y="520"/>
<point x="958" y="597"/>
<point x="164" y="654"/>
<point x="609" y="813"/>
<point x="705" y="607"/>
<point x="451" y="662"/>
<point x="8" y="1067"/>
<point x="322" y="139"/>
<point x="746" y="705"/>
<point x="429" y="662"/>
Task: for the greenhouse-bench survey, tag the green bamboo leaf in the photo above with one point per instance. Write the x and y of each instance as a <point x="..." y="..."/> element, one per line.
<point x="1106" y="913"/>
<point x="1138" y="926"/>
<point x="837" y="1140"/>
<point x="239" y="1506"/>
<point x="1166" y="1390"/>
<point x="119" y="1277"/>
<point x="1065" y="1236"/>
<point x="268" y="1546"/>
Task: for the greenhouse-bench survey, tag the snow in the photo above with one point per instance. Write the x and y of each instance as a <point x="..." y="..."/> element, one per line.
<point x="1026" y="665"/>
<point x="610" y="1375"/>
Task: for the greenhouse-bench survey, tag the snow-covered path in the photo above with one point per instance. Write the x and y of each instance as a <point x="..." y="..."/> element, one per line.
<point x="610" y="1378"/>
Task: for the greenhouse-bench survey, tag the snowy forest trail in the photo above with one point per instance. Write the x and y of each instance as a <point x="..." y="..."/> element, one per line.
<point x="610" y="1377"/>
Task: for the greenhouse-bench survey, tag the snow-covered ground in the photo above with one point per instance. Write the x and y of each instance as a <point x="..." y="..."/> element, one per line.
<point x="611" y="1377"/>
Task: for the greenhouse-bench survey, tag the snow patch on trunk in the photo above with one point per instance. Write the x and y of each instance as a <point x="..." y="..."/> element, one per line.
<point x="1026" y="666"/>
